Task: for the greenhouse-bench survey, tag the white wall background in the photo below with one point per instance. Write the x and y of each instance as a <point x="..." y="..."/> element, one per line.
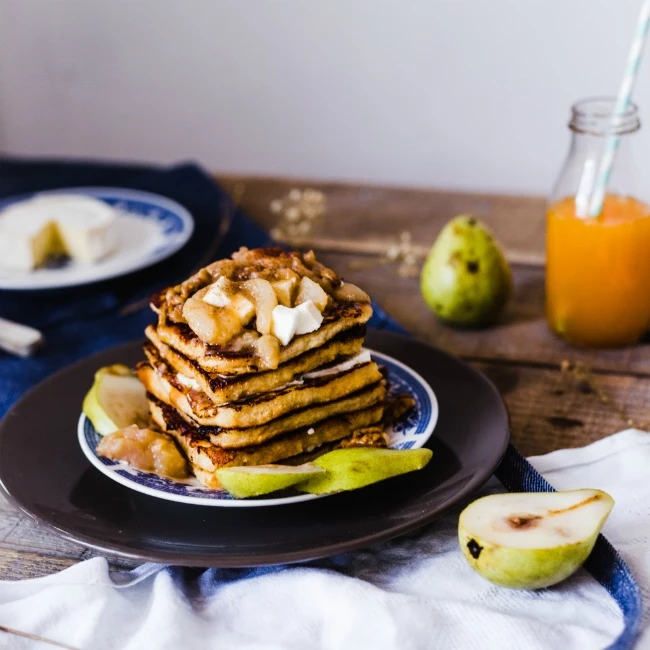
<point x="447" y="93"/>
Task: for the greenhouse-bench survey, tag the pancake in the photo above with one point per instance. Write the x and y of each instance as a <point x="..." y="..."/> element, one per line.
<point x="241" y="355"/>
<point x="203" y="455"/>
<point x="235" y="438"/>
<point x="230" y="388"/>
<point x="364" y="398"/>
<point x="231" y="342"/>
<point x="258" y="409"/>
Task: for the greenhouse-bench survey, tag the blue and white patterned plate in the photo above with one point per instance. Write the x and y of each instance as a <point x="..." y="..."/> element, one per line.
<point x="149" y="228"/>
<point x="409" y="433"/>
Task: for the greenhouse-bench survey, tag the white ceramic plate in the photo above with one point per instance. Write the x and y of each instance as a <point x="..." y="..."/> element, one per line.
<point x="149" y="228"/>
<point x="410" y="432"/>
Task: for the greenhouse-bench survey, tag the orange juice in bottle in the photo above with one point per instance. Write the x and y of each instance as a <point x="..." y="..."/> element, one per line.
<point x="598" y="268"/>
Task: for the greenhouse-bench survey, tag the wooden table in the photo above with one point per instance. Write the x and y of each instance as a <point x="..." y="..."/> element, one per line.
<point x="554" y="401"/>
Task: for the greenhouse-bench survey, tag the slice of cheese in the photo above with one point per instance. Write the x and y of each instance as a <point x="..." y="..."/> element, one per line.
<point x="75" y="225"/>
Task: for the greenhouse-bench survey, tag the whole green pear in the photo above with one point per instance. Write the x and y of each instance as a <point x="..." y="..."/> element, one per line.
<point x="466" y="279"/>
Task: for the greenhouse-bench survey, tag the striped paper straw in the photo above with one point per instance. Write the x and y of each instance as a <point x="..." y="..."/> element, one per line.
<point x="622" y="101"/>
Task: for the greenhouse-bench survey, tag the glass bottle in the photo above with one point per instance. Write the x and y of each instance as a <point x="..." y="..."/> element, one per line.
<point x="598" y="268"/>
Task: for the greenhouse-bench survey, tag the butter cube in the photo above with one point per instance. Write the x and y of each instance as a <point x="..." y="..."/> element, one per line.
<point x="309" y="318"/>
<point x="283" y="323"/>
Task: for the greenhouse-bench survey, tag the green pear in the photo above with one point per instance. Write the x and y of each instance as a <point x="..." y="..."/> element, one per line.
<point x="356" y="467"/>
<point x="255" y="480"/>
<point x="466" y="279"/>
<point x="532" y="540"/>
<point x="116" y="400"/>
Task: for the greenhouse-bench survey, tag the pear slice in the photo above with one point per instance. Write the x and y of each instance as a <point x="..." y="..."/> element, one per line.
<point x="255" y="480"/>
<point x="532" y="540"/>
<point x="356" y="467"/>
<point x="116" y="400"/>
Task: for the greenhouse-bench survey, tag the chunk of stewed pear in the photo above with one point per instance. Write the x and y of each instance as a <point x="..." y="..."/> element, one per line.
<point x="310" y="290"/>
<point x="285" y="290"/>
<point x="261" y="294"/>
<point x="350" y="292"/>
<point x="225" y="293"/>
<point x="213" y="325"/>
<point x="267" y="348"/>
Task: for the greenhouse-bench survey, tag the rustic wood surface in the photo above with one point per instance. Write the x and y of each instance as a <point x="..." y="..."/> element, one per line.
<point x="557" y="396"/>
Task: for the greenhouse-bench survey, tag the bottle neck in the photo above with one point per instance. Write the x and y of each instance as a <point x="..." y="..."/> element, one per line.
<point x="582" y="164"/>
<point x="595" y="127"/>
<point x="597" y="117"/>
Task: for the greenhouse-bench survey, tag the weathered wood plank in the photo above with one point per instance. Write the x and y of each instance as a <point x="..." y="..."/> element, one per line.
<point x="372" y="212"/>
<point x="20" y="565"/>
<point x="551" y="409"/>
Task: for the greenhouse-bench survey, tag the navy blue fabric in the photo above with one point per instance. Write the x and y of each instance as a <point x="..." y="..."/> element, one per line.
<point x="79" y="321"/>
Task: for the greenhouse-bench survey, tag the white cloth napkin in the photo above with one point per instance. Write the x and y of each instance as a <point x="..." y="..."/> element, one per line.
<point x="411" y="593"/>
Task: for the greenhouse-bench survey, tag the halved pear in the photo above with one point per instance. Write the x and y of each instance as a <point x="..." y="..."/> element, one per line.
<point x="116" y="400"/>
<point x="356" y="467"/>
<point x="532" y="540"/>
<point x="255" y="480"/>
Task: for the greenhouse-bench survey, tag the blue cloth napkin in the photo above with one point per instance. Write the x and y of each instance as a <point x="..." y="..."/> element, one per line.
<point x="77" y="322"/>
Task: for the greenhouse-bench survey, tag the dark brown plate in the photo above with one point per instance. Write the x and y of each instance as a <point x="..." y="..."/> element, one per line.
<point x="44" y="472"/>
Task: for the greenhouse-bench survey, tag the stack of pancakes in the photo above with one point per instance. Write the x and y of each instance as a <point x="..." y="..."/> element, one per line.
<point x="231" y="393"/>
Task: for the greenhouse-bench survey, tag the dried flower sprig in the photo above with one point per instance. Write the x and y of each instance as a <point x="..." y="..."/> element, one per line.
<point x="302" y="209"/>
<point x="298" y="212"/>
<point x="403" y="251"/>
<point x="587" y="382"/>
